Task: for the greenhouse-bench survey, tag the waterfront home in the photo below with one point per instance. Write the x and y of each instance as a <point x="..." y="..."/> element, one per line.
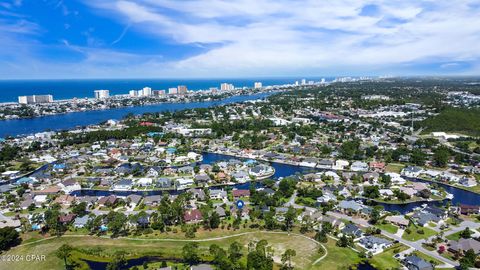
<point x="47" y="191"/>
<point x="69" y="186"/>
<point x="325" y="164"/>
<point x="124" y="184"/>
<point x="427" y="215"/>
<point x="261" y="171"/>
<point x="218" y="194"/>
<point x="144" y="182"/>
<point x="374" y="244"/>
<point x="239" y="193"/>
<point x="463" y="245"/>
<point x="81" y="222"/>
<point x="396" y="178"/>
<point x="198" y="194"/>
<point x="359" y="166"/>
<point x="469" y="209"/>
<point x="241" y="176"/>
<point x="309" y="162"/>
<point x="352" y="230"/>
<point x="163" y="182"/>
<point x="134" y="199"/>
<point x="184" y="183"/>
<point x="400" y="221"/>
<point x="340" y="164"/>
<point x="192" y="216"/>
<point x="108" y="200"/>
<point x="202" y="178"/>
<point x="350" y="207"/>
<point x="10" y="175"/>
<point x="412" y="171"/>
<point x="413" y="262"/>
<point x="467" y="181"/>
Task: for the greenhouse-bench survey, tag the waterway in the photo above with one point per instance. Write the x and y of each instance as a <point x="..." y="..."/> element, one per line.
<point x="71" y="120"/>
<point x="283" y="170"/>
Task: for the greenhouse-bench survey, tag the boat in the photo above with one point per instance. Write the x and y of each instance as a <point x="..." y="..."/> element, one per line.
<point x="449" y="196"/>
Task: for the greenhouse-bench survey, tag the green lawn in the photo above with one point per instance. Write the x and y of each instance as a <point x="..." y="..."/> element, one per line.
<point x="394" y="167"/>
<point x="337" y="258"/>
<point x="388" y="227"/>
<point x="102" y="249"/>
<point x="385" y="260"/>
<point x="414" y="235"/>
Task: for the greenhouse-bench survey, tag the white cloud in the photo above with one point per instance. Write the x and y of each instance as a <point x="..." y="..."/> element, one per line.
<point x="280" y="37"/>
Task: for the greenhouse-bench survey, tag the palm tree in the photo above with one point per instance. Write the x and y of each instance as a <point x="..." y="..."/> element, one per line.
<point x="63" y="253"/>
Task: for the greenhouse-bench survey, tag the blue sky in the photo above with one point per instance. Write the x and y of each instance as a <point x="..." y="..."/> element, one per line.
<point x="245" y="38"/>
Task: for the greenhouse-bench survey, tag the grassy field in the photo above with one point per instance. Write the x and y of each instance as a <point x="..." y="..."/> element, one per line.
<point x="385" y="260"/>
<point x="388" y="227"/>
<point x="102" y="249"/>
<point x="415" y="236"/>
<point x="338" y="258"/>
<point x="394" y="167"/>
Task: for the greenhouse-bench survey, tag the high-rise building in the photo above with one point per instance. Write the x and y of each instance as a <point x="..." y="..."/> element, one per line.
<point x="226" y="87"/>
<point x="172" y="91"/>
<point x="182" y="89"/>
<point x="35" y="99"/>
<point x="133" y="93"/>
<point x="101" y="94"/>
<point x="213" y="89"/>
<point x="304" y="81"/>
<point x="146" y="92"/>
<point x="257" y="85"/>
<point x="158" y="93"/>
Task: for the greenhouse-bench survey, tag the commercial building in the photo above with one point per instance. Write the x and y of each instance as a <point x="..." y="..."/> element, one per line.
<point x="257" y="85"/>
<point x="172" y="91"/>
<point x="35" y="99"/>
<point x="226" y="87"/>
<point x="102" y="94"/>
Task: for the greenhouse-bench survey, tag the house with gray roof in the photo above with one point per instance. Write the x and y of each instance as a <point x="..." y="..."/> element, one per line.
<point x="416" y="263"/>
<point x="80" y="222"/>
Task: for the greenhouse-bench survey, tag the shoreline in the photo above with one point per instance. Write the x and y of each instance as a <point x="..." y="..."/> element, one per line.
<point x="209" y="99"/>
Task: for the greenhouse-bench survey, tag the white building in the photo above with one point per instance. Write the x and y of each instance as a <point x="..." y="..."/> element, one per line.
<point x="99" y="94"/>
<point x="133" y="93"/>
<point x="226" y="87"/>
<point x="35" y="99"/>
<point x="172" y="91"/>
<point x="257" y="85"/>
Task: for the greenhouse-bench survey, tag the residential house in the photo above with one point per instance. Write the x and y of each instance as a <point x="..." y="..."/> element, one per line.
<point x="413" y="262"/>
<point x="69" y="185"/>
<point x="218" y="194"/>
<point x="412" y="171"/>
<point x="81" y="222"/>
<point x="400" y="221"/>
<point x="352" y="230"/>
<point x="124" y="184"/>
<point x="359" y="166"/>
<point x="469" y="209"/>
<point x="463" y="245"/>
<point x="375" y="244"/>
<point x="192" y="216"/>
<point x="239" y="193"/>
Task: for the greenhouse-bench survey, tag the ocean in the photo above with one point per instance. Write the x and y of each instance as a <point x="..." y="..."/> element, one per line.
<point x="67" y="89"/>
